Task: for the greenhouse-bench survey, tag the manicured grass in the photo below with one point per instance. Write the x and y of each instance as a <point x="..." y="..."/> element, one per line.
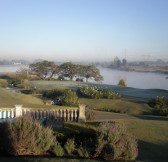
<point x="119" y="106"/>
<point x="133" y="100"/>
<point x="47" y="85"/>
<point x="8" y="98"/>
<point x="141" y="95"/>
<point x="151" y="134"/>
<point x="153" y="138"/>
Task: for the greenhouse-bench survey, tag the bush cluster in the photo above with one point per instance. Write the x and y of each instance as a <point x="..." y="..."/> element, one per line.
<point x="95" y="93"/>
<point x="62" y="97"/>
<point x="90" y="114"/>
<point x="27" y="137"/>
<point x="115" y="143"/>
<point x="122" y="83"/>
<point x="159" y="105"/>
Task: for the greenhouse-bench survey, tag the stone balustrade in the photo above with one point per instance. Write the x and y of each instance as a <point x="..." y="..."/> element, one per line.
<point x="73" y="114"/>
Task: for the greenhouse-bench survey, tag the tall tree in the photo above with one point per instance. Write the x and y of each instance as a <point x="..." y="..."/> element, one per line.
<point x="44" y="69"/>
<point x="22" y="73"/>
<point x="69" y="70"/>
<point x="91" y="71"/>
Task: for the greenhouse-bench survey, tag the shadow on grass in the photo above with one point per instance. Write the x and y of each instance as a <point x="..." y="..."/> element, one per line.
<point x="3" y="76"/>
<point x="145" y="117"/>
<point x="43" y="159"/>
<point x="150" y="152"/>
<point x="14" y="159"/>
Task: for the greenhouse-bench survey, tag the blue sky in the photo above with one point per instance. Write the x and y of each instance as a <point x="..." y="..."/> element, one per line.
<point x="84" y="30"/>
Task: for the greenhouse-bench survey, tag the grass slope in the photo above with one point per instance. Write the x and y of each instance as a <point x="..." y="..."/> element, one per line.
<point x="127" y="92"/>
<point x="118" y="106"/>
<point x="8" y="98"/>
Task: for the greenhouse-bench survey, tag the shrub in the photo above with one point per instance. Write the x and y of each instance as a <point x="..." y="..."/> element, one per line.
<point x="61" y="77"/>
<point x="69" y="99"/>
<point x="122" y="83"/>
<point x="105" y="93"/>
<point x="57" y="149"/>
<point x="70" y="146"/>
<point x="79" y="80"/>
<point x="89" y="92"/>
<point x="114" y="143"/>
<point x="159" y="105"/>
<point x="14" y="82"/>
<point x="3" y="83"/>
<point x="90" y="115"/>
<point x="95" y="93"/>
<point x="53" y="94"/>
<point x="83" y="152"/>
<point x="26" y="137"/>
<point x="62" y="97"/>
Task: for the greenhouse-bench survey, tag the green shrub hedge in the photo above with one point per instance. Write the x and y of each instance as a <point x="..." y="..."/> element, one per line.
<point x="115" y="143"/>
<point x="159" y="106"/>
<point x="62" y="97"/>
<point x="95" y="93"/>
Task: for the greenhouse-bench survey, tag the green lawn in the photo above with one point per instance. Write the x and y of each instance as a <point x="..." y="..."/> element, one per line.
<point x="151" y="134"/>
<point x="134" y="94"/>
<point x="8" y="99"/>
<point x="118" y="106"/>
<point x="133" y="100"/>
<point x="153" y="138"/>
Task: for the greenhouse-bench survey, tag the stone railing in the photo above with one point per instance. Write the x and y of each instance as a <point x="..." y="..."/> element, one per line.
<point x="70" y="114"/>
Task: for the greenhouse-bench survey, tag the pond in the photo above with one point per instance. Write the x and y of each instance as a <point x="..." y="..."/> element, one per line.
<point x="142" y="80"/>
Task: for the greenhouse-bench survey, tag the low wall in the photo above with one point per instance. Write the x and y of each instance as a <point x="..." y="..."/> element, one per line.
<point x="73" y="114"/>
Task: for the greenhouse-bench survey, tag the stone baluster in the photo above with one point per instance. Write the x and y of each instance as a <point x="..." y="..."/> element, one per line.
<point x="57" y="114"/>
<point x="82" y="117"/>
<point x="63" y="115"/>
<point x="8" y="113"/>
<point x="54" y="114"/>
<point x="67" y="115"/>
<point x="60" y="113"/>
<point x="12" y="113"/>
<point x="72" y="115"/>
<point x="5" y="114"/>
<point x="75" y="115"/>
<point x="47" y="115"/>
<point x="18" y="110"/>
<point x="40" y="114"/>
<point x="44" y="113"/>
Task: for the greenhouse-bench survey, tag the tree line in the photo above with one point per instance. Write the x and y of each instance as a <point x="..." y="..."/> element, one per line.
<point x="46" y="70"/>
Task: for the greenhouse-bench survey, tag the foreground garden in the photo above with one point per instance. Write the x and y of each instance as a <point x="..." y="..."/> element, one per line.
<point x="134" y="131"/>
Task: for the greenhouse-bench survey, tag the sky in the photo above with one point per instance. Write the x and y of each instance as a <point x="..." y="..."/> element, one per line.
<point x="84" y="30"/>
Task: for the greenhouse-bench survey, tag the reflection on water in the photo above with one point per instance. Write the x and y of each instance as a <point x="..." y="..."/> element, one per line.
<point x="11" y="68"/>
